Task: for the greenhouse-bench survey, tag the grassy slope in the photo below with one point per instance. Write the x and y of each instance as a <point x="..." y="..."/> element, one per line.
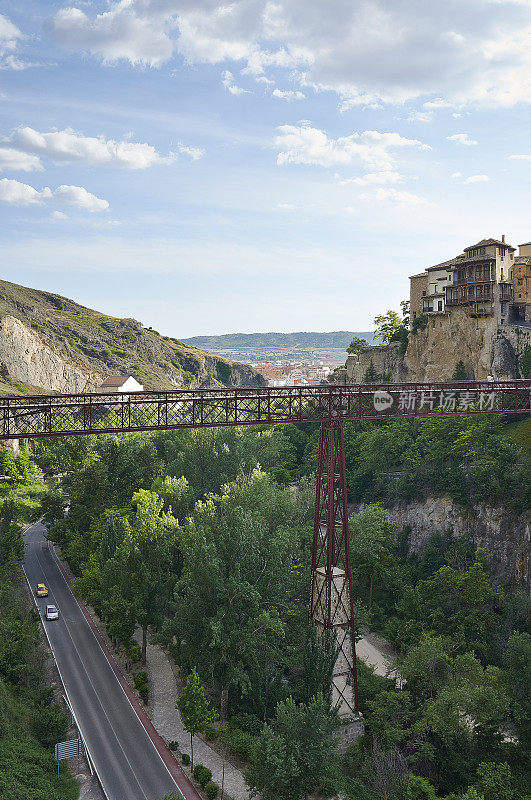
<point x="110" y="345"/>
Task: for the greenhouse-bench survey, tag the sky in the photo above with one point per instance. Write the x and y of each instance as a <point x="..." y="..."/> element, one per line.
<point x="258" y="165"/>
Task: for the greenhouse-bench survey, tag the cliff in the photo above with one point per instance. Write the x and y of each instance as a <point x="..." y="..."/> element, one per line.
<point x="483" y="346"/>
<point x="50" y="343"/>
<point x="505" y="534"/>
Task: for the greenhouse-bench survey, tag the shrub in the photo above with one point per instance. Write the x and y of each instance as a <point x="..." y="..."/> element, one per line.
<point x="202" y="774"/>
<point x="210" y="733"/>
<point x="173" y="745"/>
<point x="141" y="685"/>
<point x="211" y="790"/>
<point x="246" y="722"/>
<point x="241" y="743"/>
<point x="185" y="759"/>
<point x="133" y="651"/>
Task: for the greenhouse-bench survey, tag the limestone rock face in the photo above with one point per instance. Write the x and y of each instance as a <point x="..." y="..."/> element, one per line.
<point x="505" y="534"/>
<point x="25" y="357"/>
<point x="433" y="352"/>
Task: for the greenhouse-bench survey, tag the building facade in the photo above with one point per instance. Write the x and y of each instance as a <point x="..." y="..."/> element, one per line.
<point x="522" y="284"/>
<point x="480" y="280"/>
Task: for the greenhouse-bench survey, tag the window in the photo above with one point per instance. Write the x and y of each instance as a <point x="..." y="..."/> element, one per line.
<point x="424" y="294"/>
<point x="439" y="305"/>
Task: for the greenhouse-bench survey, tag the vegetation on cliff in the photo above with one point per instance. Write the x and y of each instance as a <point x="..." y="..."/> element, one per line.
<point x="103" y="344"/>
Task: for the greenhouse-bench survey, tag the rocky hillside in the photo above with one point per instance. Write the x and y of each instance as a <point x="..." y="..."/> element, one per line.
<point x="50" y="343"/>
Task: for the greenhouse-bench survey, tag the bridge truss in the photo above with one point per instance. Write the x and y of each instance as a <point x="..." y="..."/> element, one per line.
<point x="331" y="603"/>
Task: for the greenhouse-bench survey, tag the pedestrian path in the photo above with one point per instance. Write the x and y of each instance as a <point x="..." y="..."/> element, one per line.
<point x="167" y="721"/>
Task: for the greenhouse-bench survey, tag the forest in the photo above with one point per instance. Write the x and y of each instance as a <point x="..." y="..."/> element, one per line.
<point x="203" y="538"/>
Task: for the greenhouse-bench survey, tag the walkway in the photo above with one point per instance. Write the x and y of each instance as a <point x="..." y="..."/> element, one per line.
<point x="167" y="721"/>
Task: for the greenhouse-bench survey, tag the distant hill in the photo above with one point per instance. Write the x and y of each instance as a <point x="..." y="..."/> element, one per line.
<point x="281" y="341"/>
<point x="50" y="343"/>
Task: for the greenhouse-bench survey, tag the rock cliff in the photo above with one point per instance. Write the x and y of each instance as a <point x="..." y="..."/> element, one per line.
<point x="483" y="346"/>
<point x="50" y="343"/>
<point x="505" y="534"/>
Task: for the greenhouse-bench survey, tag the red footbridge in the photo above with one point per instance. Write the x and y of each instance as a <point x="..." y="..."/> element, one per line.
<point x="331" y="603"/>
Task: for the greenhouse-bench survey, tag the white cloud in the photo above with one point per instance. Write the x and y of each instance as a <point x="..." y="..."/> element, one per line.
<point x="521" y="157"/>
<point x="477" y="179"/>
<point x="369" y="52"/>
<point x="58" y="215"/>
<point x="69" y="147"/>
<point x="461" y="138"/>
<point x="374" y="178"/>
<point x="13" y="160"/>
<point x="10" y="36"/>
<point x="457" y="175"/>
<point x="420" y="116"/>
<point x="195" y="153"/>
<point x="394" y="196"/>
<point x="16" y="193"/>
<point x="227" y="79"/>
<point x="288" y="95"/>
<point x="286" y="206"/>
<point x="306" y="145"/>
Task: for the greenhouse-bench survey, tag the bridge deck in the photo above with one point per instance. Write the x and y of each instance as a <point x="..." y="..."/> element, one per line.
<point x="71" y="414"/>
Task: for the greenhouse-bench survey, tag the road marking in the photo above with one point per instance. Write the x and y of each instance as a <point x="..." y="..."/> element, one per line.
<point x="93" y="687"/>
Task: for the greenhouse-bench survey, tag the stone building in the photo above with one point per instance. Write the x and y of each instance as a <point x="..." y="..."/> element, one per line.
<point x="522" y="284"/>
<point x="417" y="294"/>
<point x="479" y="280"/>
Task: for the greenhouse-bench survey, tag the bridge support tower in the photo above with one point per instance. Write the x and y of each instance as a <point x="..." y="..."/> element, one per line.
<point x="331" y="604"/>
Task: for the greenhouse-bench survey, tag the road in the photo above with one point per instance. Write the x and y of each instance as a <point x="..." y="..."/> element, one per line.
<point x="125" y="758"/>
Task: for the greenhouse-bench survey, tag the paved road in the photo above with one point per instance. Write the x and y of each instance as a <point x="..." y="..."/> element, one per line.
<point x="125" y="758"/>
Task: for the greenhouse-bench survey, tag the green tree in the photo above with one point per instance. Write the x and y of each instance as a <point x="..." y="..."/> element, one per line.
<point x="357" y="344"/>
<point x="494" y="781"/>
<point x="371" y="376"/>
<point x="372" y="544"/>
<point x="293" y="756"/>
<point x="386" y="325"/>
<point x="194" y="707"/>
<point x="236" y="588"/>
<point x="517" y="669"/>
<point x="459" y="373"/>
<point x="419" y="788"/>
<point x="525" y="364"/>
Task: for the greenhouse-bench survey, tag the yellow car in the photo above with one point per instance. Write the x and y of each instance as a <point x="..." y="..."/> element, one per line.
<point x="41" y="590"/>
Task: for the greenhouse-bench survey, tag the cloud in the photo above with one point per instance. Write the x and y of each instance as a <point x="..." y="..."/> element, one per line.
<point x="303" y="144"/>
<point x="420" y="116"/>
<point x="16" y="193"/>
<point x="10" y="36"/>
<point x="286" y="206"/>
<point x="461" y="138"/>
<point x="457" y="175"/>
<point x="477" y="179"/>
<point x="521" y="157"/>
<point x="227" y="79"/>
<point x="394" y="196"/>
<point x="195" y="153"/>
<point x="288" y="95"/>
<point x="58" y="215"/>
<point x="13" y="160"/>
<point x="69" y="147"/>
<point x="369" y="52"/>
<point x="374" y="178"/>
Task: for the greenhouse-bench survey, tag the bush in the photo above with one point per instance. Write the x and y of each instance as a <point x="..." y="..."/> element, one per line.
<point x="210" y="733"/>
<point x="133" y="651"/>
<point x="173" y="745"/>
<point x="202" y="774"/>
<point x="242" y="743"/>
<point x="142" y="685"/>
<point x="246" y="722"/>
<point x="211" y="790"/>
<point x="185" y="759"/>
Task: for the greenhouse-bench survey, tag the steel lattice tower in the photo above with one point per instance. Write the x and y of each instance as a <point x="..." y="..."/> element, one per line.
<point x="331" y="605"/>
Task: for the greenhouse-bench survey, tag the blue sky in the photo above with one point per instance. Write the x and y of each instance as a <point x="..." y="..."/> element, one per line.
<point x="212" y="167"/>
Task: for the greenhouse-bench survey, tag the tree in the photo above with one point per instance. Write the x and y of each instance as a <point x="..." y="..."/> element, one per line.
<point x="236" y="588"/>
<point x="459" y="373"/>
<point x="357" y="344"/>
<point x="525" y="365"/>
<point x="371" y="376"/>
<point x="293" y="755"/>
<point x="419" y="788"/>
<point x="517" y="668"/>
<point x="494" y="781"/>
<point x="371" y="544"/>
<point x="195" y="709"/>
<point x="386" y="325"/>
<point x="144" y="559"/>
<point x="319" y="657"/>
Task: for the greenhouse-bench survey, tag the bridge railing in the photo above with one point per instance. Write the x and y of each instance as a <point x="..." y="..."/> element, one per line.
<point x="70" y="414"/>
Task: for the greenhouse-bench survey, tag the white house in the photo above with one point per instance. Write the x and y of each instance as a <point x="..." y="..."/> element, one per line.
<point x="121" y="384"/>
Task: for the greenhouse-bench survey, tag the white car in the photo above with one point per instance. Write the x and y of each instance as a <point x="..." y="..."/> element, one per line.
<point x="52" y="612"/>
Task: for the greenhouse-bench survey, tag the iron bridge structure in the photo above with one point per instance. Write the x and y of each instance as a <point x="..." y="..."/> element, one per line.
<point x="331" y="604"/>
